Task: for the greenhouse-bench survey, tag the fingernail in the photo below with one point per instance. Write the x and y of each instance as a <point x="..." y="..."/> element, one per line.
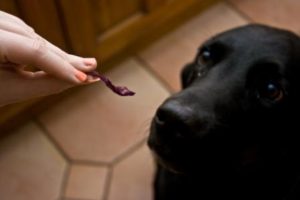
<point x="80" y="76"/>
<point x="90" y="61"/>
<point x="91" y="79"/>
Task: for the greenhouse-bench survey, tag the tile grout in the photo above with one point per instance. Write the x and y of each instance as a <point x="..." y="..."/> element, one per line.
<point x="239" y="12"/>
<point x="65" y="181"/>
<point x="70" y="162"/>
<point x="66" y="198"/>
<point x="108" y="184"/>
<point x="146" y="66"/>
<point x="51" y="139"/>
<point x="130" y="150"/>
<point x="91" y="163"/>
<point x="65" y="178"/>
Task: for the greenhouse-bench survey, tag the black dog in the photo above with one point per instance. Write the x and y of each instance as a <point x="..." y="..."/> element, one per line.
<point x="233" y="132"/>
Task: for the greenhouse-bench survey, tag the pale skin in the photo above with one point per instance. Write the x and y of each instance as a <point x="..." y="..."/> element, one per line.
<point x="20" y="46"/>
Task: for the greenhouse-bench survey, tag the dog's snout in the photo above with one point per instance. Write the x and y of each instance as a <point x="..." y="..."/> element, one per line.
<point x="174" y="114"/>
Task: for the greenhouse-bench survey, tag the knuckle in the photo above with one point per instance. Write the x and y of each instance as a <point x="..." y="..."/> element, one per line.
<point x="30" y="30"/>
<point x="39" y="47"/>
<point x="19" y="19"/>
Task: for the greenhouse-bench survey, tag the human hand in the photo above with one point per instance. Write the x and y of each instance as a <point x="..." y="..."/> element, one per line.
<point x="20" y="46"/>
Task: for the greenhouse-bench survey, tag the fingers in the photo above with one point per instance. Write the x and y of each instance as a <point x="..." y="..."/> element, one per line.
<point x="86" y="64"/>
<point x="82" y="64"/>
<point x="21" y="45"/>
<point x="13" y="19"/>
<point x="23" y="50"/>
<point x="18" y="87"/>
<point x="14" y="28"/>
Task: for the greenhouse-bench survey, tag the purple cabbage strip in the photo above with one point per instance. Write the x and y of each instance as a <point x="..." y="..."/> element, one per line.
<point x="120" y="90"/>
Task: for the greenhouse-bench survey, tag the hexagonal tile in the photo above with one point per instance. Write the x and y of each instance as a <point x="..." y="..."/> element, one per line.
<point x="132" y="178"/>
<point x="86" y="182"/>
<point x="283" y="14"/>
<point x="168" y="56"/>
<point x="95" y="124"/>
<point x="30" y="166"/>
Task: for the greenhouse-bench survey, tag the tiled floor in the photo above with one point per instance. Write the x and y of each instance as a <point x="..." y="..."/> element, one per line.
<point x="91" y="145"/>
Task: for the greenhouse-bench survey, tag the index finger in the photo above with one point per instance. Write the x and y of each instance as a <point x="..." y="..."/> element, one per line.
<point x="22" y="50"/>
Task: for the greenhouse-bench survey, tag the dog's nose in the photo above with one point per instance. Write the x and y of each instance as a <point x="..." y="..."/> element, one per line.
<point x="174" y="115"/>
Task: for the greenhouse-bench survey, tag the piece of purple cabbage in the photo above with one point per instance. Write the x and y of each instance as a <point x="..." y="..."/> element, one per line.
<point x="120" y="90"/>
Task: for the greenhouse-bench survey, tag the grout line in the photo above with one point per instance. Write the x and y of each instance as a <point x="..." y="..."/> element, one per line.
<point x="66" y="198"/>
<point x="88" y="164"/>
<point x="239" y="12"/>
<point x="119" y="158"/>
<point x="51" y="139"/>
<point x="62" y="153"/>
<point x="129" y="151"/>
<point x="91" y="163"/>
<point x="108" y="184"/>
<point x="145" y="65"/>
<point x="65" y="181"/>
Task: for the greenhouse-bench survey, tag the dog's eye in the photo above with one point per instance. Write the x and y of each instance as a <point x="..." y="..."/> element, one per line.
<point x="271" y="91"/>
<point x="211" y="54"/>
<point x="205" y="56"/>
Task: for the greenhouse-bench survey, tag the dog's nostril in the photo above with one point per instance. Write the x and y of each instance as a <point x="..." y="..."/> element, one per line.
<point x="173" y="113"/>
<point x="160" y="118"/>
<point x="164" y="115"/>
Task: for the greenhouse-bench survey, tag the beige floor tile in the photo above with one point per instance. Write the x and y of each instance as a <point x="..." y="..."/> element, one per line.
<point x="97" y="125"/>
<point x="132" y="178"/>
<point x="167" y="56"/>
<point x="30" y="166"/>
<point x="284" y="14"/>
<point x="86" y="182"/>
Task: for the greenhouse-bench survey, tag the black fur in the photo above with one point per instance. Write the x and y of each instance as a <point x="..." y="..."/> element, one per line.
<point x="233" y="132"/>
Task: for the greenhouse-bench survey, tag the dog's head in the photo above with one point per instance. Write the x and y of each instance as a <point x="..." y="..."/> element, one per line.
<point x="238" y="106"/>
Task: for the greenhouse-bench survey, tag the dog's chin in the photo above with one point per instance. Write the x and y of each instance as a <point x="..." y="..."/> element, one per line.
<point x="171" y="166"/>
<point x="167" y="157"/>
<point x="179" y="160"/>
<point x="178" y="157"/>
<point x="212" y="167"/>
<point x="196" y="158"/>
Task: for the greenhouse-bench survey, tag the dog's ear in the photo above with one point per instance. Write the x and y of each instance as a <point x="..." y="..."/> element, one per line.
<point x="187" y="75"/>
